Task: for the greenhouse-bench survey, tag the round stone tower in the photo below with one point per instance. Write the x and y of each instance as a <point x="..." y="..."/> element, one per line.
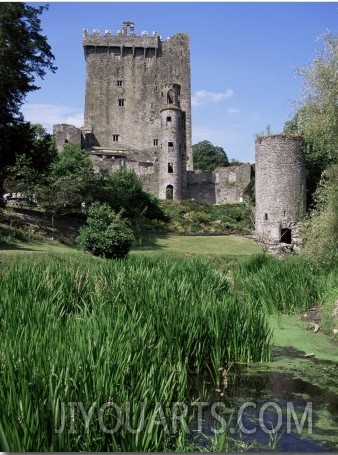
<point x="172" y="143"/>
<point x="280" y="188"/>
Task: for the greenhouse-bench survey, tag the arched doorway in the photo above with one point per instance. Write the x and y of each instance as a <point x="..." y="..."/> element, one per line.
<point x="169" y="192"/>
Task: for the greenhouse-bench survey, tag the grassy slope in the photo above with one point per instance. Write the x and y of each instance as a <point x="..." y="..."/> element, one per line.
<point x="232" y="245"/>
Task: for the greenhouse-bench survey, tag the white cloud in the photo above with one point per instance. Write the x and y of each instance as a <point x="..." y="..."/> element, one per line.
<point x="234" y="110"/>
<point x="203" y="96"/>
<point x="50" y="114"/>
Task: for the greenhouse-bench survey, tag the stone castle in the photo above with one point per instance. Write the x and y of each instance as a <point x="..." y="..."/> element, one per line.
<point x="138" y="115"/>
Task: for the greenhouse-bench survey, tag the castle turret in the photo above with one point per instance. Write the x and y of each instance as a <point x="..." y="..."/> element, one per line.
<point x="172" y="142"/>
<point x="280" y="188"/>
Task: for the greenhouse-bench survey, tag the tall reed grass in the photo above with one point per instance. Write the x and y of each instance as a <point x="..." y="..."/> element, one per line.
<point x="272" y="285"/>
<point x="83" y="330"/>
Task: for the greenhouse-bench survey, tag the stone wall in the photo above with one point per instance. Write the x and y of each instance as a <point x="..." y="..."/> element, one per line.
<point x="234" y="183"/>
<point x="64" y="133"/>
<point x="225" y="185"/>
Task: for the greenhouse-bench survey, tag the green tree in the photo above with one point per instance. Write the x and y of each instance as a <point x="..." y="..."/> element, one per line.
<point x="72" y="161"/>
<point x="106" y="233"/>
<point x="316" y="115"/>
<point x="208" y="157"/>
<point x="320" y="229"/>
<point x="70" y="182"/>
<point x="32" y="164"/>
<point x="43" y="151"/>
<point x="24" y="55"/>
<point x="316" y="121"/>
<point x="317" y="109"/>
<point x="316" y="158"/>
<point x="123" y="191"/>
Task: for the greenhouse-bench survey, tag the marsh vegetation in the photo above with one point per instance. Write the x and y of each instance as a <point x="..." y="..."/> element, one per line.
<point x="139" y="330"/>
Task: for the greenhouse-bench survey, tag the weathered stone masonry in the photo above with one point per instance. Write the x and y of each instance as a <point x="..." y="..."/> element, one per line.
<point x="280" y="188"/>
<point x="138" y="114"/>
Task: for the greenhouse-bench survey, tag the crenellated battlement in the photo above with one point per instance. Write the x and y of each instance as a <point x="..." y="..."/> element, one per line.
<point x="125" y="37"/>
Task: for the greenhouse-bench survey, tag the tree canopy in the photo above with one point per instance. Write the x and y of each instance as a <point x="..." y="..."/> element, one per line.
<point x="123" y="190"/>
<point x="24" y="55"/>
<point x="316" y="112"/>
<point x="208" y="157"/>
<point x="33" y="152"/>
<point x="69" y="182"/>
<point x="316" y="120"/>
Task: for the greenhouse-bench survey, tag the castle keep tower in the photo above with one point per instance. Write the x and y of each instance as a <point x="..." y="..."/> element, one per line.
<point x="280" y="188"/>
<point x="138" y="115"/>
<point x="138" y="105"/>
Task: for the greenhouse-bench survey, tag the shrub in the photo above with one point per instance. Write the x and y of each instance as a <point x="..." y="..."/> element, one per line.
<point x="106" y="234"/>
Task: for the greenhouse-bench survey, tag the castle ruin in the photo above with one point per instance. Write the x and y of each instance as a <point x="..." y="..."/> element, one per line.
<point x="138" y="115"/>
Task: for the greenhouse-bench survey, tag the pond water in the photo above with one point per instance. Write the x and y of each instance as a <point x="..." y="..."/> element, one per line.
<point x="269" y="407"/>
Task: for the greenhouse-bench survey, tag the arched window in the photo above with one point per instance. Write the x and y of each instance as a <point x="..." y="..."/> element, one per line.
<point x="170" y="97"/>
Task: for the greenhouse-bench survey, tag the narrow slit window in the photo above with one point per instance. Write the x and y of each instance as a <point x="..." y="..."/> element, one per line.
<point x="170" y="168"/>
<point x="121" y="102"/>
<point x="265" y="216"/>
<point x="155" y="142"/>
<point x="115" y="137"/>
<point x="119" y="83"/>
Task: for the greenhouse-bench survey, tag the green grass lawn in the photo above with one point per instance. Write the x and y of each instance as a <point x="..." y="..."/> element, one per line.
<point x="222" y="245"/>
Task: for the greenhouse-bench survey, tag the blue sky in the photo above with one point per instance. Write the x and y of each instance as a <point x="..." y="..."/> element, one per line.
<point x="243" y="61"/>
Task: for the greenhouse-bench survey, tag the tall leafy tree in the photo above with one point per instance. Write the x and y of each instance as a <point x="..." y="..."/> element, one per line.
<point x="316" y="113"/>
<point x="316" y="120"/>
<point x="69" y="183"/>
<point x="24" y="55"/>
<point x="32" y="163"/>
<point x="207" y="157"/>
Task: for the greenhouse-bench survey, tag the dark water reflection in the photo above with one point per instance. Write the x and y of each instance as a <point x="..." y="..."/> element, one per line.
<point x="265" y="400"/>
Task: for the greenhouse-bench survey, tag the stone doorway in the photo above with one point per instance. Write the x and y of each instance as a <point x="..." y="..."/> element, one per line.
<point x="285" y="236"/>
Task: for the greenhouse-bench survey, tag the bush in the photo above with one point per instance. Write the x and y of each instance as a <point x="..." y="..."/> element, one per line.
<point x="106" y="234"/>
<point x="201" y="217"/>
